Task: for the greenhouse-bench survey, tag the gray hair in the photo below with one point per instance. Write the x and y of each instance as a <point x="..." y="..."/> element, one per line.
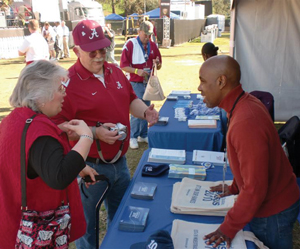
<point x="36" y="84"/>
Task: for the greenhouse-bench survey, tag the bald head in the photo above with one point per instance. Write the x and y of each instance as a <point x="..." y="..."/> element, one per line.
<point x="218" y="76"/>
<point x="224" y="65"/>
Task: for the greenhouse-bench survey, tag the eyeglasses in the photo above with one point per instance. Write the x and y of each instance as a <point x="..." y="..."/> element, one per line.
<point x="94" y="53"/>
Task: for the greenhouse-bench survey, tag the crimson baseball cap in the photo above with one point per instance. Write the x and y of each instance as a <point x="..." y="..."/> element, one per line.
<point x="88" y="35"/>
<point x="152" y="169"/>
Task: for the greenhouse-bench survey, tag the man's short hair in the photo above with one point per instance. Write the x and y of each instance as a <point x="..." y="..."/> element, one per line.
<point x="33" y="24"/>
<point x="147" y="27"/>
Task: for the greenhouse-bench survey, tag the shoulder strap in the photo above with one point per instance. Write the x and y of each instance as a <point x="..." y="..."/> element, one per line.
<point x="23" y="163"/>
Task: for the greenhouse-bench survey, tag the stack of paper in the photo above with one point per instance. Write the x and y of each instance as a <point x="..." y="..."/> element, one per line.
<point x="191" y="171"/>
<point x="190" y="235"/>
<point x="215" y="117"/>
<point x="167" y="156"/>
<point x="204" y="156"/>
<point x="134" y="219"/>
<point x="143" y="190"/>
<point x="183" y="104"/>
<point x="202" y="123"/>
<point x="180" y="93"/>
<point x="194" y="197"/>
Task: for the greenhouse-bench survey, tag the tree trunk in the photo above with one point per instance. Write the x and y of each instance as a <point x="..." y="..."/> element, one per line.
<point x="113" y="6"/>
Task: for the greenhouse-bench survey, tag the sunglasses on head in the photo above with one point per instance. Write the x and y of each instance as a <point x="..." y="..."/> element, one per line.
<point x="94" y="53"/>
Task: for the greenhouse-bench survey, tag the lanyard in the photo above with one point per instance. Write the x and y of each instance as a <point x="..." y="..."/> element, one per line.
<point x="148" y="49"/>
<point x="230" y="113"/>
<point x="225" y="150"/>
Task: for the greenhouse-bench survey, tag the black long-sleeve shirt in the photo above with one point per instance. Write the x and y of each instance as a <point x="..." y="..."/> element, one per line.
<point x="46" y="159"/>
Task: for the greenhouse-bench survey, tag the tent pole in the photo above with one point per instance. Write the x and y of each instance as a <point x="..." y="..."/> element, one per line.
<point x="232" y="28"/>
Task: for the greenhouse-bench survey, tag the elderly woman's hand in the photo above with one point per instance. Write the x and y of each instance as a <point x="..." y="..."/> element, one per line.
<point x="77" y="128"/>
<point x="89" y="171"/>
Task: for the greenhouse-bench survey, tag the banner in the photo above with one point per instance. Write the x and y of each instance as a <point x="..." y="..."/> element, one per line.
<point x="164" y="8"/>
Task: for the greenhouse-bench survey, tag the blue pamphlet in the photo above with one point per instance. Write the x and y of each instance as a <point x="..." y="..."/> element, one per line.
<point x="134" y="219"/>
<point x="143" y="190"/>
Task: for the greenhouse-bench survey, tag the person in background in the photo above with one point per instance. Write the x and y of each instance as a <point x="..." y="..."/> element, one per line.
<point x="99" y="93"/>
<point x="50" y="36"/>
<point x="110" y="51"/>
<point x="59" y="48"/>
<point x="66" y="34"/>
<point x="34" y="46"/>
<point x="208" y="50"/>
<point x="154" y="35"/>
<point x="268" y="194"/>
<point x="138" y="58"/>
<point x="52" y="166"/>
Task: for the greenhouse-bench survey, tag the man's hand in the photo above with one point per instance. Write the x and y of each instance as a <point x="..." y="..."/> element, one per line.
<point x="217" y="237"/>
<point x="219" y="188"/>
<point x="142" y="73"/>
<point x="157" y="62"/>
<point x="151" y="115"/>
<point x="104" y="133"/>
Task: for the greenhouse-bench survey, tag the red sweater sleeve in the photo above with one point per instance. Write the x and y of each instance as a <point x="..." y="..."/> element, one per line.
<point x="249" y="160"/>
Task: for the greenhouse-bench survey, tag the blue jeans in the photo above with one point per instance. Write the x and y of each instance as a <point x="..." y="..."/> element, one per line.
<point x="276" y="231"/>
<point x="119" y="177"/>
<point x="139" y="127"/>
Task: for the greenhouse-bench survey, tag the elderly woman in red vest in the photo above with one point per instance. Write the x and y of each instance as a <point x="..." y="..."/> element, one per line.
<point x="51" y="165"/>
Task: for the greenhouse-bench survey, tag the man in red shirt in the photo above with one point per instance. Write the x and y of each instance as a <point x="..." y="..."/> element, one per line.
<point x="268" y="194"/>
<point x="138" y="57"/>
<point x="99" y="93"/>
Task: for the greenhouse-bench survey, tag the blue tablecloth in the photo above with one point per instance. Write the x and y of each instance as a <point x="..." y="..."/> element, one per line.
<point x="160" y="216"/>
<point x="177" y="135"/>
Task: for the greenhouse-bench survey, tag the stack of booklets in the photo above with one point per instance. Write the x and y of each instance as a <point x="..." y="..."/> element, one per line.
<point x="194" y="197"/>
<point x="202" y="123"/>
<point x="180" y="93"/>
<point x="190" y="235"/>
<point x="183" y="104"/>
<point x="143" y="190"/>
<point x="167" y="156"/>
<point x="204" y="156"/>
<point x="214" y="117"/>
<point x="134" y="219"/>
<point x="191" y="171"/>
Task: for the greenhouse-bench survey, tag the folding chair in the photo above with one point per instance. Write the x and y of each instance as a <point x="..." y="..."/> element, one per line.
<point x="267" y="99"/>
<point x="289" y="135"/>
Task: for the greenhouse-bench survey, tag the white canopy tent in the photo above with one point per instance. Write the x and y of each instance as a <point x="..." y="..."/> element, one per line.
<point x="265" y="40"/>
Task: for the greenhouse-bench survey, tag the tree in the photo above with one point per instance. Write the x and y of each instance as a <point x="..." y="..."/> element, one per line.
<point x="221" y="7"/>
<point x="137" y="6"/>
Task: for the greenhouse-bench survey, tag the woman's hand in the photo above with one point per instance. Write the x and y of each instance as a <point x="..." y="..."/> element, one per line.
<point x="89" y="171"/>
<point x="77" y="128"/>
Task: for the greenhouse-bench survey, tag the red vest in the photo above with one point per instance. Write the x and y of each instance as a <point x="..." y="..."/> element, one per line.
<point x="40" y="197"/>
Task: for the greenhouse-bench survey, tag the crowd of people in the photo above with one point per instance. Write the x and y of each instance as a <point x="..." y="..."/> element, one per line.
<point x="46" y="43"/>
<point x="83" y="128"/>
